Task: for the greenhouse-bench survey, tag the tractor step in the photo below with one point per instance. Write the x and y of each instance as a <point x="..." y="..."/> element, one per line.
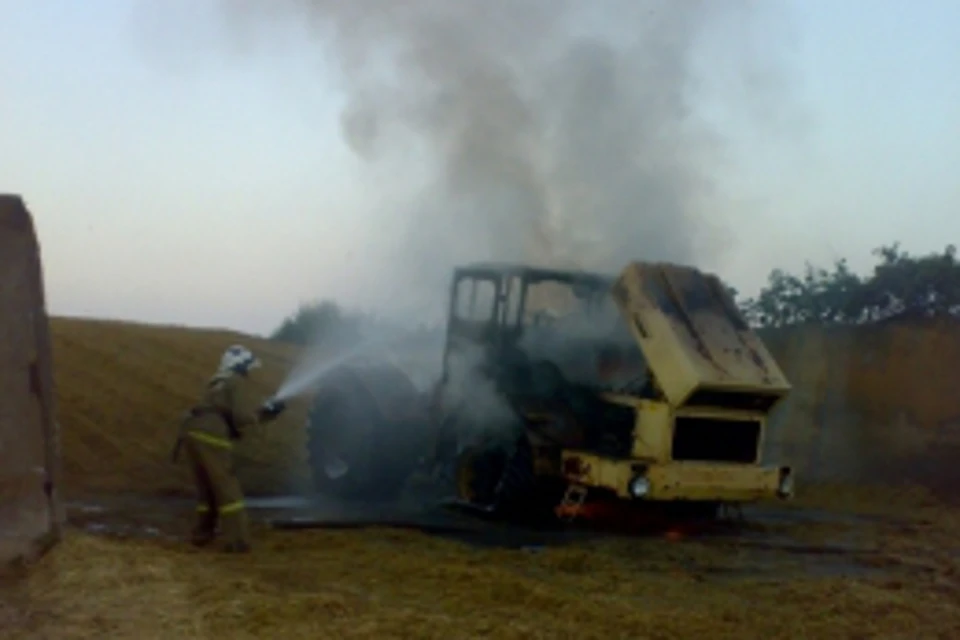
<point x="569" y="508"/>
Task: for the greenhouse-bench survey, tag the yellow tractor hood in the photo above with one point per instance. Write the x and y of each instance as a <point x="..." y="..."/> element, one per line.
<point x="697" y="344"/>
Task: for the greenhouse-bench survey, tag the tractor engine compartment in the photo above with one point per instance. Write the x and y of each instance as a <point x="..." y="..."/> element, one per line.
<point x="716" y="440"/>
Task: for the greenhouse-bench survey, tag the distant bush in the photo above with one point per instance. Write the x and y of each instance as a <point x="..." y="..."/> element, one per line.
<point x="320" y="321"/>
<point x="328" y="322"/>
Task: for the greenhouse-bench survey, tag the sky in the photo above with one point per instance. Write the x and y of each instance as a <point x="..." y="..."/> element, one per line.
<point x="176" y="182"/>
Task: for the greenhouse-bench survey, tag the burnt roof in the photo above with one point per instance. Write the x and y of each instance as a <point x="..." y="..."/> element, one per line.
<point x="529" y="272"/>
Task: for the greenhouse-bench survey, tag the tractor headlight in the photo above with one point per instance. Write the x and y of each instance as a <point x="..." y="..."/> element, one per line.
<point x="639" y="487"/>
<point x="786" y="486"/>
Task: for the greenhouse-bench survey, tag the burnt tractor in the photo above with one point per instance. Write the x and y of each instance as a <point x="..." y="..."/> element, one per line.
<point x="647" y="387"/>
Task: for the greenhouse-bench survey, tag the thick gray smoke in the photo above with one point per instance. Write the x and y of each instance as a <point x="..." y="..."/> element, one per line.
<point x="551" y="132"/>
<point x="542" y="131"/>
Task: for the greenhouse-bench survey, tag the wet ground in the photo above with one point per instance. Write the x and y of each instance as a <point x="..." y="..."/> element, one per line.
<point x="767" y="542"/>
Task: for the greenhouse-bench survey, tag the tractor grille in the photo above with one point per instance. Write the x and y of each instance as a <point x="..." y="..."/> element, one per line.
<point x="711" y="440"/>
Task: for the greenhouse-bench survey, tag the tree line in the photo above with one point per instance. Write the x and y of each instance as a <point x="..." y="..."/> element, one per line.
<point x="326" y="321"/>
<point x="900" y="286"/>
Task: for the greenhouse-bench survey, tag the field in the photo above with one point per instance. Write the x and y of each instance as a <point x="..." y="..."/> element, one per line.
<point x="121" y="389"/>
<point x="842" y="562"/>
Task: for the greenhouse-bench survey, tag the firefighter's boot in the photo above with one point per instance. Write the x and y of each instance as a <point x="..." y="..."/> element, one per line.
<point x="205" y="527"/>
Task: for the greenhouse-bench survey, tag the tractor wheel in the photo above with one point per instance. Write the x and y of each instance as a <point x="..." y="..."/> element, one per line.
<point x="366" y="433"/>
<point x="477" y="472"/>
<point x="489" y="477"/>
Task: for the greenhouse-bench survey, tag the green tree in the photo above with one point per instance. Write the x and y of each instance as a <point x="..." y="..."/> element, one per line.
<point x="327" y="322"/>
<point x="318" y="322"/>
<point x="925" y="286"/>
<point x="900" y="285"/>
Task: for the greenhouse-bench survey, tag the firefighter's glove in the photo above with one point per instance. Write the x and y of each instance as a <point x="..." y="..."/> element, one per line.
<point x="271" y="409"/>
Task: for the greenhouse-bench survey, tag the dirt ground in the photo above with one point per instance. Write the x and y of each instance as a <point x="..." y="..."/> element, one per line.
<point x="839" y="562"/>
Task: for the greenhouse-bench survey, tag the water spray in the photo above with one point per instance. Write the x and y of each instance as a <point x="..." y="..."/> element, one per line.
<point x="303" y="378"/>
<point x="299" y="381"/>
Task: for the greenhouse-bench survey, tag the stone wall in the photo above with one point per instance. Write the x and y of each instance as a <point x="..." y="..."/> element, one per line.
<point x="870" y="404"/>
<point x="30" y="514"/>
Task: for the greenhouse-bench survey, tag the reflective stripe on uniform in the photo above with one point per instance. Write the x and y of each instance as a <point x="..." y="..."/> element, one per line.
<point x="206" y="438"/>
<point x="232" y="507"/>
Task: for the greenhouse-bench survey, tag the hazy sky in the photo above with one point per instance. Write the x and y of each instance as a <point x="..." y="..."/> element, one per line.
<point x="177" y="182"/>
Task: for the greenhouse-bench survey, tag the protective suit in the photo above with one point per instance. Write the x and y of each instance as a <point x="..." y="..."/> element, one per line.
<point x="207" y="437"/>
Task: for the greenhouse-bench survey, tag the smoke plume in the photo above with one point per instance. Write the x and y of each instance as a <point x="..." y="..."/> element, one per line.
<point x="552" y="132"/>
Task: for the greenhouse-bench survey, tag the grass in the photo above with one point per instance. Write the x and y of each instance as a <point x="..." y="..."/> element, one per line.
<point x="120" y="390"/>
<point x="389" y="584"/>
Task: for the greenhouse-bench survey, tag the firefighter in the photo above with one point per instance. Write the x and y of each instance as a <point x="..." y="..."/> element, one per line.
<point x="208" y="433"/>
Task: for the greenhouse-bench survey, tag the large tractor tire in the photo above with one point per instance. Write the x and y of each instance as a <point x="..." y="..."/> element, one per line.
<point x="366" y="431"/>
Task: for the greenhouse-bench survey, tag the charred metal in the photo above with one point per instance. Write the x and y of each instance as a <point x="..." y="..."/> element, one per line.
<point x="649" y="380"/>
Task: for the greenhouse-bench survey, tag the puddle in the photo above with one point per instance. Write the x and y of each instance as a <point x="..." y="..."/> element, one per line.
<point x="763" y="546"/>
<point x="279" y="502"/>
<point x="134" y="531"/>
<point x="86" y="507"/>
<point x="774" y="515"/>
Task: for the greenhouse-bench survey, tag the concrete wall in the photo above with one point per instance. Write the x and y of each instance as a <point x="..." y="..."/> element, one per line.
<point x="30" y="516"/>
<point x="871" y="404"/>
